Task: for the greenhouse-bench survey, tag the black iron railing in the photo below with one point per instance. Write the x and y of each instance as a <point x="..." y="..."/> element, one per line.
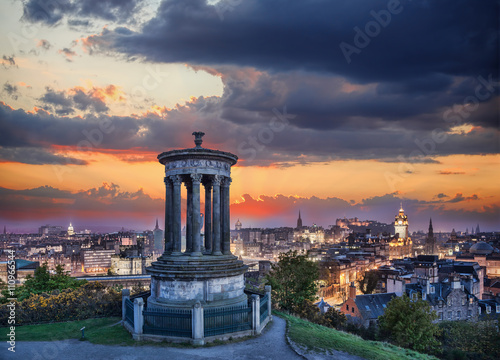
<point x="168" y="322"/>
<point x="129" y="311"/>
<point x="228" y="319"/>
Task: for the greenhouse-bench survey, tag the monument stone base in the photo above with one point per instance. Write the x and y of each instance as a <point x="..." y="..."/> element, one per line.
<point x="181" y="281"/>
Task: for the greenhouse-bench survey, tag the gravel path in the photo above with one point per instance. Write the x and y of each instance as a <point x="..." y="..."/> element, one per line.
<point x="270" y="345"/>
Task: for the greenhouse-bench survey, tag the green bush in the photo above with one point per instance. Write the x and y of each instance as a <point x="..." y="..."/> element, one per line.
<point x="88" y="301"/>
<point x="468" y="340"/>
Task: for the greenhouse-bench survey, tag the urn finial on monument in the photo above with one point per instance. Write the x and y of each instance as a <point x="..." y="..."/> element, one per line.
<point x="198" y="138"/>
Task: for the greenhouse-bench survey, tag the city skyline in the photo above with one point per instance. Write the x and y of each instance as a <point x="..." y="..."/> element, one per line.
<point x="361" y="107"/>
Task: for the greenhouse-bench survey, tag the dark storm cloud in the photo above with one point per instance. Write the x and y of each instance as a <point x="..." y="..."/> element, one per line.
<point x="429" y="58"/>
<point x="251" y="127"/>
<point x="459" y="198"/>
<point x="84" y="101"/>
<point x="422" y="40"/>
<point x="107" y="200"/>
<point x="56" y="98"/>
<point x="50" y="12"/>
<point x="36" y="156"/>
<point x="42" y="191"/>
<point x="431" y="69"/>
<point x="65" y="102"/>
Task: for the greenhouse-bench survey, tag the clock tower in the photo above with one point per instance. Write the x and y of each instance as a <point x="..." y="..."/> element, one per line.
<point x="401" y="224"/>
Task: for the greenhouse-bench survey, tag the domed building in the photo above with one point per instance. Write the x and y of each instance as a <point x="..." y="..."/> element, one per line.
<point x="481" y="248"/>
<point x="484" y="254"/>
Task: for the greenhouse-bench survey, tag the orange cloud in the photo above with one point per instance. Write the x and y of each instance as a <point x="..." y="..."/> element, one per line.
<point x="110" y="92"/>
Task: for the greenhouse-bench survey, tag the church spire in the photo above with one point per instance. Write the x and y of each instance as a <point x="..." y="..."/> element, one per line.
<point x="299" y="221"/>
<point x="430" y="241"/>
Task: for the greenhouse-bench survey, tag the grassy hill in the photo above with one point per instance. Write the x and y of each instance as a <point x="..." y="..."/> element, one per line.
<point x="316" y="338"/>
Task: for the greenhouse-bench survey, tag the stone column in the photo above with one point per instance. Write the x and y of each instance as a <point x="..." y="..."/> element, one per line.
<point x="216" y="216"/>
<point x="195" y="199"/>
<point x="198" y="331"/>
<point x="176" y="214"/>
<point x="138" y="318"/>
<point x="269" y="305"/>
<point x="208" y="216"/>
<point x="189" y="216"/>
<point x="125" y="296"/>
<point x="226" y="227"/>
<point x="256" y="314"/>
<point x="168" y="216"/>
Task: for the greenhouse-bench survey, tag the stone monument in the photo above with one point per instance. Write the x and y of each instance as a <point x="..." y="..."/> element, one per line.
<point x="205" y="271"/>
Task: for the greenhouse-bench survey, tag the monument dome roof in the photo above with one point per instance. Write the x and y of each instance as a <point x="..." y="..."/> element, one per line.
<point x="481" y="248"/>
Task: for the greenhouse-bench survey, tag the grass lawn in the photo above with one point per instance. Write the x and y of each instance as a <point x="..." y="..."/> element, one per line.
<point x="97" y="331"/>
<point x="319" y="338"/>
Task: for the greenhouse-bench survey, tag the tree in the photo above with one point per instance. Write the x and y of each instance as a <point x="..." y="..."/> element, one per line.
<point x="409" y="323"/>
<point x="368" y="282"/>
<point x="335" y="318"/>
<point x="293" y="280"/>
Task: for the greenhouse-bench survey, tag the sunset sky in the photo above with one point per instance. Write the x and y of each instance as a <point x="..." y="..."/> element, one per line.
<point x="334" y="108"/>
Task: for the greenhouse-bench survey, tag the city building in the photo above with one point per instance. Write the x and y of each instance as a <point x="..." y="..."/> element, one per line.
<point x="401" y="245"/>
<point x="71" y="231"/>
<point x="483" y="254"/>
<point x="23" y="269"/>
<point x="130" y="265"/>
<point x="449" y="299"/>
<point x="159" y="241"/>
<point x="50" y="230"/>
<point x="96" y="261"/>
<point x="365" y="309"/>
